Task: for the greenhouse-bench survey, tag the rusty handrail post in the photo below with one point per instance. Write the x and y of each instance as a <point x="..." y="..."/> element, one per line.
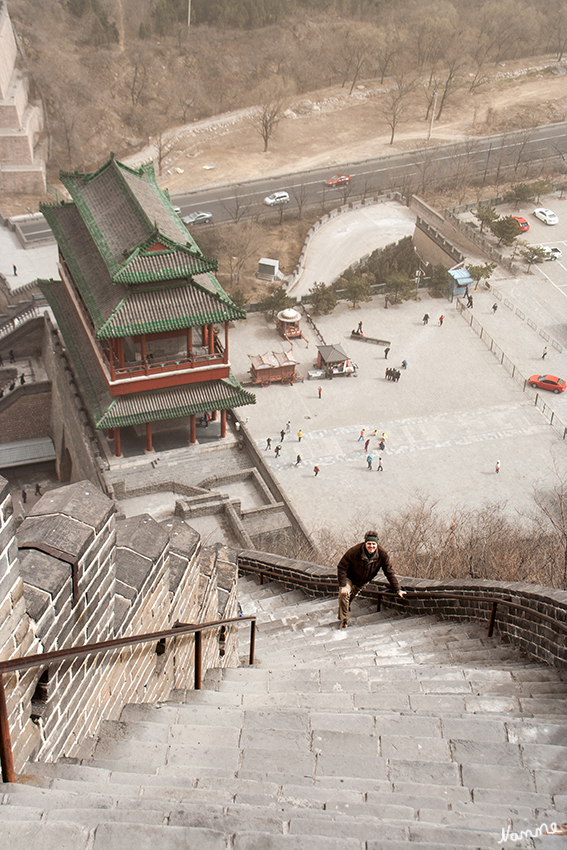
<point x="6" y="757"/>
<point x="198" y="660"/>
<point x="492" y="619"/>
<point x="252" y="641"/>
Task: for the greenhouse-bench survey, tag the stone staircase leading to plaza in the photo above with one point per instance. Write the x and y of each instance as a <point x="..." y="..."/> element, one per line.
<point x="395" y="733"/>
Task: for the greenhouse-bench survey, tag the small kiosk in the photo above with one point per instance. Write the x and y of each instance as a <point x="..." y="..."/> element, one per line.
<point x="287" y="323"/>
<point x="333" y="361"/>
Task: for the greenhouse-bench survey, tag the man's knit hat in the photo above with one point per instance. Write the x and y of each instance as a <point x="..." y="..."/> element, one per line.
<point x="371" y="537"/>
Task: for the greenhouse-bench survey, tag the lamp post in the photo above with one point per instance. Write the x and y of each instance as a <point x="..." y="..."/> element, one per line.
<point x="189" y="14"/>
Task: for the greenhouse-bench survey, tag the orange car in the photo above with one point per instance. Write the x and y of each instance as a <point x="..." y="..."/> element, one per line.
<point x="338" y="180"/>
<point x="548" y="382"/>
<point x="522" y="223"/>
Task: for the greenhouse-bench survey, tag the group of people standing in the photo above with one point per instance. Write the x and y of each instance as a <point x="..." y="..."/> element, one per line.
<point x="286" y="430"/>
<point x="393" y="375"/>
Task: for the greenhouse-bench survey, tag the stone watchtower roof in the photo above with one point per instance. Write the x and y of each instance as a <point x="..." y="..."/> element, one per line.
<point x="135" y="265"/>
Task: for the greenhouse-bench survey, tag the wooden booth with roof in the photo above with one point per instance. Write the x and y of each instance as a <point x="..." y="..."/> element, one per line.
<point x="271" y="367"/>
<point x="333" y="360"/>
<point x="142" y="315"/>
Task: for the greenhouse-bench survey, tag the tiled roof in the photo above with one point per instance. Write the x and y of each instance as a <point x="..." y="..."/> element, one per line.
<point x="100" y="295"/>
<point x="168" y="309"/>
<point x="91" y="378"/>
<point x="137" y="268"/>
<point x="170" y="261"/>
<point x="122" y="207"/>
<point x="171" y="403"/>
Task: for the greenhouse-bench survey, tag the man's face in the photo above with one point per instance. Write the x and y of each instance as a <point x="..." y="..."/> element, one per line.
<point x="371" y="546"/>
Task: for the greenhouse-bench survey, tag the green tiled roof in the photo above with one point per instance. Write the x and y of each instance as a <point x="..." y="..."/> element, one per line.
<point x="105" y="235"/>
<point x="166" y="310"/>
<point x="171" y="403"/>
<point x="145" y="266"/>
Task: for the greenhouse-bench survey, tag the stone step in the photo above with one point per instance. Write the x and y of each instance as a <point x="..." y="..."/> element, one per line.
<point x="396" y="731"/>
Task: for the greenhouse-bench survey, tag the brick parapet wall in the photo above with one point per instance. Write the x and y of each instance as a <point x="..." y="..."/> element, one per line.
<point x="538" y="639"/>
<point x="80" y="693"/>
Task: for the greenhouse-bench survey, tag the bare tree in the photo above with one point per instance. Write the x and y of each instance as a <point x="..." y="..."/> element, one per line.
<point x="238" y="206"/>
<point x="396" y="100"/>
<point x="274" y="97"/>
<point x="299" y="193"/>
<point x="356" y="51"/>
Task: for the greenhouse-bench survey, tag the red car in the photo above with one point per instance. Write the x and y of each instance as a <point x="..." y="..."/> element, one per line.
<point x="338" y="180"/>
<point x="548" y="382"/>
<point x="522" y="223"/>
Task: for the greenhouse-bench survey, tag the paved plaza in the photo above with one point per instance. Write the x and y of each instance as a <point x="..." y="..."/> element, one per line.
<point x="454" y="412"/>
<point x="452" y="415"/>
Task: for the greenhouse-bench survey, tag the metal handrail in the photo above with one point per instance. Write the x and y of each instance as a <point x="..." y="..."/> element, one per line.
<point x="38" y="660"/>
<point x="324" y="582"/>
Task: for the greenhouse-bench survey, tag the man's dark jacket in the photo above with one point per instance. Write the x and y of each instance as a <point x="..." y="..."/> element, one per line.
<point x="360" y="567"/>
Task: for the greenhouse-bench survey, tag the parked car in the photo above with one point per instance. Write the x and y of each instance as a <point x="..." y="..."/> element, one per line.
<point x="551" y="253"/>
<point x="523" y="224"/>
<point x="548" y="382"/>
<point x="198" y="218"/>
<point x="338" y="180"/>
<point x="547" y="216"/>
<point x="177" y="210"/>
<point x="277" y="198"/>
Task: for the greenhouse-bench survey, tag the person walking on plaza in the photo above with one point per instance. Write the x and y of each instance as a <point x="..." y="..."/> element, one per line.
<point x="359" y="565"/>
<point x="380" y="467"/>
<point x="359" y="330"/>
<point x="494" y="307"/>
<point x="268" y="443"/>
<point x="298" y="461"/>
<point x="277" y="451"/>
<point x="24" y="496"/>
<point x="497" y="470"/>
<point x="361" y="436"/>
<point x="386" y="352"/>
<point x="37" y="490"/>
<point x="425" y="319"/>
<point x="316" y="471"/>
<point x="282" y="435"/>
<point x="544" y="353"/>
<point x="299" y="436"/>
<point x="319" y="390"/>
<point x="367" y="443"/>
<point x="369" y="461"/>
<point x="288" y="427"/>
<point x="15" y="270"/>
<point x="441" y="320"/>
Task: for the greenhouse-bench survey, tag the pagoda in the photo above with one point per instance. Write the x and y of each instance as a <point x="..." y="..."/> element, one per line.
<point x="141" y="313"/>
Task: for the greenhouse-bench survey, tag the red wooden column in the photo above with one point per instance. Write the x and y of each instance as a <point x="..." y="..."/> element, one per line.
<point x="190" y="344"/>
<point x="205" y="335"/>
<point x="211" y="340"/>
<point x="111" y="357"/>
<point x="223" y="423"/>
<point x="117" y="451"/>
<point x="149" y="447"/>
<point x="225" y="360"/>
<point x="214" y="416"/>
<point x="193" y="429"/>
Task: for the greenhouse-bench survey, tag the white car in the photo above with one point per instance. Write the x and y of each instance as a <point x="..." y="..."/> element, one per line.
<point x="547" y="216"/>
<point x="198" y="218"/>
<point x="551" y="253"/>
<point x="277" y="198"/>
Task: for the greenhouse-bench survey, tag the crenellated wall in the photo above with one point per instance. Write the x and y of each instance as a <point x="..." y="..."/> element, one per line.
<point x="74" y="574"/>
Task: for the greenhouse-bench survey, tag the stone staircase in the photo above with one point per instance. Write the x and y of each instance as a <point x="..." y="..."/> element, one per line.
<point x="396" y="733"/>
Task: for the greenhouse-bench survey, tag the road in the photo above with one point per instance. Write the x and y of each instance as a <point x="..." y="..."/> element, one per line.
<point x="411" y="171"/>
